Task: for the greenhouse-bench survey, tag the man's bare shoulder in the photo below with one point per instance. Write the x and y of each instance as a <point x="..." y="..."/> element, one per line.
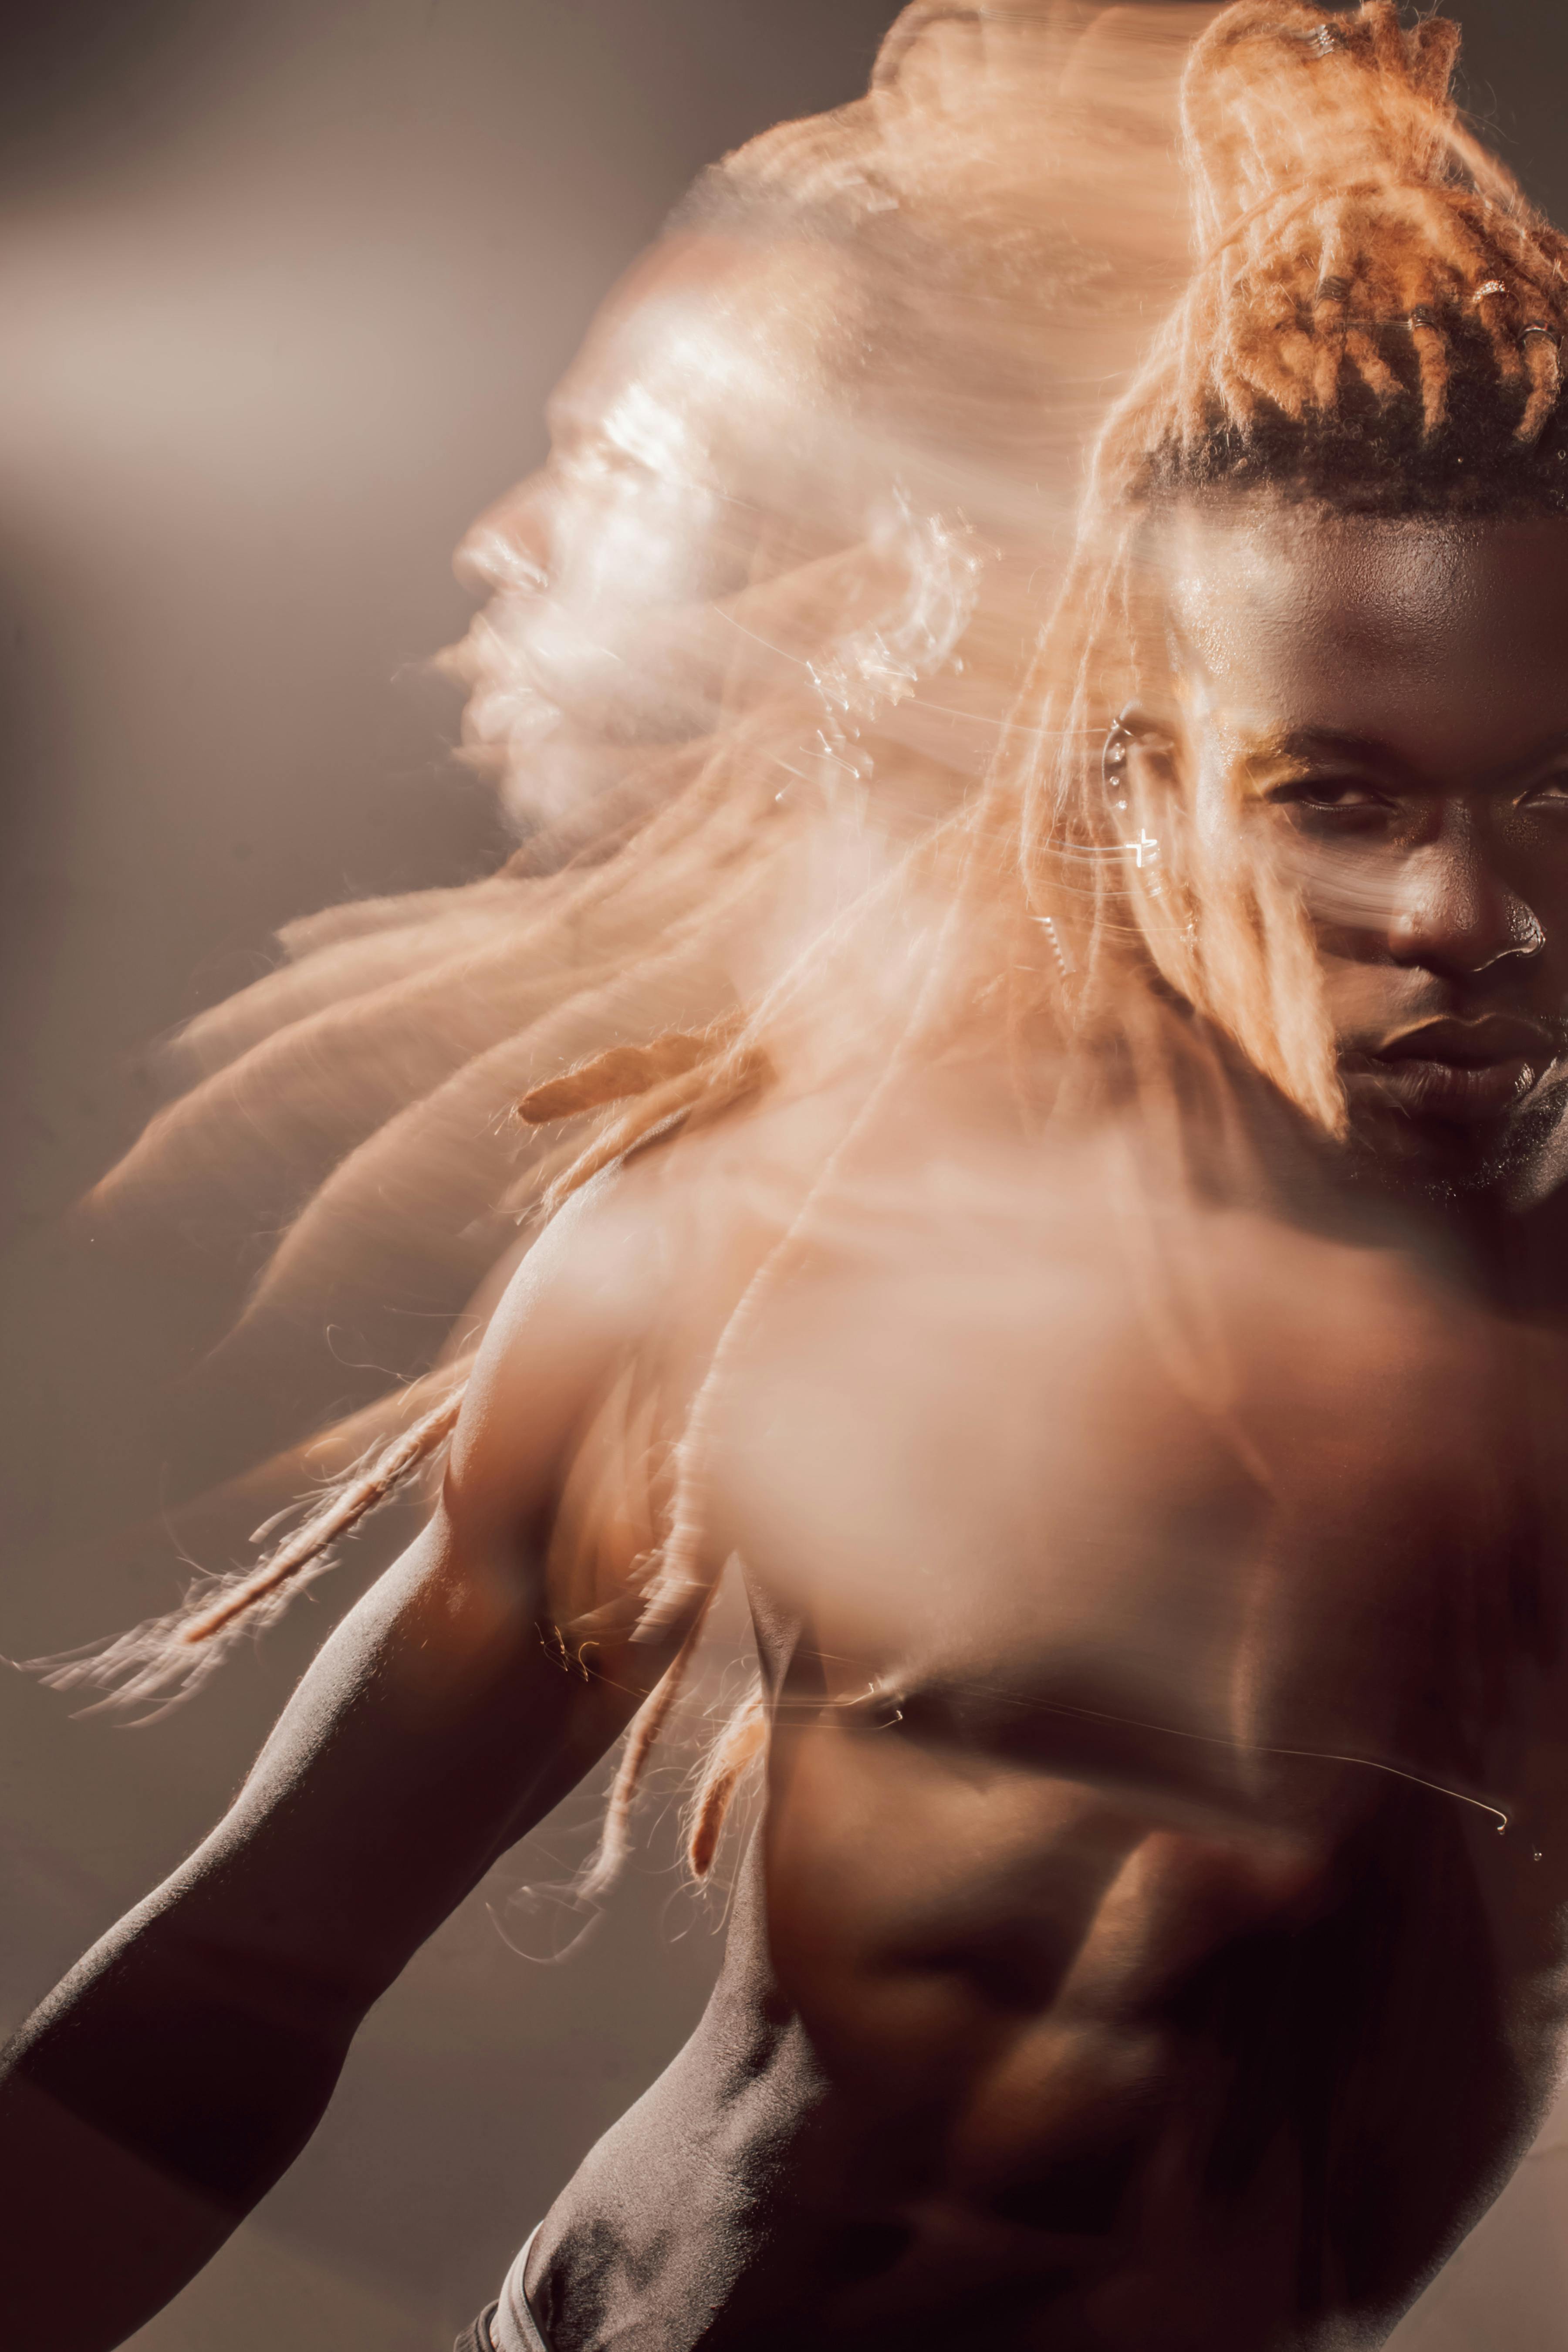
<point x="585" y="1296"/>
<point x="924" y="1219"/>
<point x="613" y="1310"/>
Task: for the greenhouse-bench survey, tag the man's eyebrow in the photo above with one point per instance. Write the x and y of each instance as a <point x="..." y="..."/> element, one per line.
<point x="1301" y="745"/>
<point x="1317" y="744"/>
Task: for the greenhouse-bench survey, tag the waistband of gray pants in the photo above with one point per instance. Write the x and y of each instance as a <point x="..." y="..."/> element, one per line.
<point x="514" y="2327"/>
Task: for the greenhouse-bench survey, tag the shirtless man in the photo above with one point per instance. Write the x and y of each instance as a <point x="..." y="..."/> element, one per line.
<point x="1157" y="1578"/>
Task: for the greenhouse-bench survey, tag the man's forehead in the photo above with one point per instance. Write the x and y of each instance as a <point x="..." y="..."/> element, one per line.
<point x="1234" y="565"/>
<point x="697" y="309"/>
<point x="1290" y="617"/>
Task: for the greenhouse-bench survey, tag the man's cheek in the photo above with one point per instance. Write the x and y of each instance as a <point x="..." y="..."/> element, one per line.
<point x="1364" y="994"/>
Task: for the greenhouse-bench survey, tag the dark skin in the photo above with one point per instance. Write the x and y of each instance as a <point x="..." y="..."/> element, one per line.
<point x="1128" y="1957"/>
<point x="1388" y="695"/>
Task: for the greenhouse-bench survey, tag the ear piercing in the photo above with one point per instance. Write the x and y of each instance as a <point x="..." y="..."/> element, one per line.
<point x="1049" y="928"/>
<point x="1113" y="760"/>
<point x="1113" y="773"/>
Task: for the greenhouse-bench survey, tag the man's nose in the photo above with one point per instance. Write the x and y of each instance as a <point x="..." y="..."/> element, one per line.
<point x="508" y="547"/>
<point x="1454" y="914"/>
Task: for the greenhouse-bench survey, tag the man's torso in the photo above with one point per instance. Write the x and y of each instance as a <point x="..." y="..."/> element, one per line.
<point x="1157" y="1609"/>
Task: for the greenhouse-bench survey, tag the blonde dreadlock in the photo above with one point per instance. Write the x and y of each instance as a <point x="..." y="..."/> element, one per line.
<point x="1368" y="270"/>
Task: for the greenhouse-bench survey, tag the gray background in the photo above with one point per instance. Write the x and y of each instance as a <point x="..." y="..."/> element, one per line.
<point x="285" y="284"/>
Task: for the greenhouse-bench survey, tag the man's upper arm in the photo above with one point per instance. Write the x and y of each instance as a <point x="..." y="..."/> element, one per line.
<point x="439" y="1723"/>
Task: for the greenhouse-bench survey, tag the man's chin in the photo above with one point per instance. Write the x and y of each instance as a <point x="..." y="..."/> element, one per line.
<point x="1445" y="1159"/>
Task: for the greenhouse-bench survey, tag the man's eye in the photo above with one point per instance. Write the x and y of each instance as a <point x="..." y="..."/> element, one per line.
<point x="1331" y="793"/>
<point x="1551" y="793"/>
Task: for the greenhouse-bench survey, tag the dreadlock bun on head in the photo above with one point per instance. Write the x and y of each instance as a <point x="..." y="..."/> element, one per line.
<point x="1376" y="315"/>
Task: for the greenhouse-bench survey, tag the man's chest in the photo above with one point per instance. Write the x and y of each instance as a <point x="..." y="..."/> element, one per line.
<point x="1268" y="1501"/>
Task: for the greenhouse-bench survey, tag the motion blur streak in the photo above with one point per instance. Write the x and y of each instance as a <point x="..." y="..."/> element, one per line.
<point x="752" y="639"/>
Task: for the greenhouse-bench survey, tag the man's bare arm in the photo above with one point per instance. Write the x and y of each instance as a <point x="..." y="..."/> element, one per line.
<point x="180" y="2066"/>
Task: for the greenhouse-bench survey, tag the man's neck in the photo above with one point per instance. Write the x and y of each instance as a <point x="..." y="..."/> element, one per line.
<point x="1507" y="1243"/>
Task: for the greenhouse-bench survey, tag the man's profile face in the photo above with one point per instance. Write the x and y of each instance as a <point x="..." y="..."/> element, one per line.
<point x="1389" y="698"/>
<point x="683" y="438"/>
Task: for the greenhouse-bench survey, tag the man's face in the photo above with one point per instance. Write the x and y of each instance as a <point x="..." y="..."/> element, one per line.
<point x="616" y="575"/>
<point x="1391" y="698"/>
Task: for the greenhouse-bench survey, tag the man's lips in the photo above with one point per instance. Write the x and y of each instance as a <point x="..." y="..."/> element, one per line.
<point x="1460" y="1071"/>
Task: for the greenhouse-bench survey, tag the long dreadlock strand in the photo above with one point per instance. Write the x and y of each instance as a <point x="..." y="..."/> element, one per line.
<point x="727" y="1762"/>
<point x="642" y="1737"/>
<point x="158" y="1663"/>
<point x="624" y="1070"/>
<point x="338" y="1518"/>
<point x="685" y="1575"/>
